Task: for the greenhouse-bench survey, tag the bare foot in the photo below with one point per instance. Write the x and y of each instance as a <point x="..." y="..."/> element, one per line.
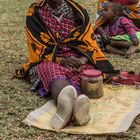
<point x="131" y="51"/>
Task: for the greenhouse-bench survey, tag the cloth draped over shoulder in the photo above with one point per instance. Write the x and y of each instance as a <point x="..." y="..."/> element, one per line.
<point x="131" y="11"/>
<point x="43" y="45"/>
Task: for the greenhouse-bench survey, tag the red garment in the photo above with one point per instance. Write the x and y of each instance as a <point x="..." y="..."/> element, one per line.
<point x="122" y="26"/>
<point x="130" y="75"/>
<point x="127" y="78"/>
<point x="62" y="25"/>
<point x="123" y="2"/>
<point x="49" y="72"/>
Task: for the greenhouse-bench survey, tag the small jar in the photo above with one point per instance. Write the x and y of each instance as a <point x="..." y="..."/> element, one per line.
<point x="92" y="83"/>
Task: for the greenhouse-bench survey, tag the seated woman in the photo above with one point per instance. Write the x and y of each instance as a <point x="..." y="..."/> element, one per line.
<point x="61" y="46"/>
<point x="122" y="36"/>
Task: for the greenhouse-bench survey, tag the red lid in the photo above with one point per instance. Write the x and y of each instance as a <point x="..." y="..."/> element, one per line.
<point x="91" y="73"/>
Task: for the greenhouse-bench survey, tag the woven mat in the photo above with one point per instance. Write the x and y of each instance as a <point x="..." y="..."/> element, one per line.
<point x="112" y="113"/>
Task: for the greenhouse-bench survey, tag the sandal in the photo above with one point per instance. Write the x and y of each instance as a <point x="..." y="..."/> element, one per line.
<point x="119" y="81"/>
<point x="130" y="75"/>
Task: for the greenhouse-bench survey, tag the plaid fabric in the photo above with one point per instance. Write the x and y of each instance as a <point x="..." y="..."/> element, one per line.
<point x="48" y="72"/>
<point x="67" y="52"/>
<point x="34" y="79"/>
<point x="128" y="11"/>
<point x="63" y="24"/>
<point x="63" y="27"/>
<point x="66" y="24"/>
<point x="122" y="26"/>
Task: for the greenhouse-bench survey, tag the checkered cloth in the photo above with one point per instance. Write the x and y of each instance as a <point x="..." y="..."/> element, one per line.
<point x="62" y="24"/>
<point x="128" y="11"/>
<point x="34" y="79"/>
<point x="121" y="26"/>
<point x="49" y="72"/>
<point x="63" y="27"/>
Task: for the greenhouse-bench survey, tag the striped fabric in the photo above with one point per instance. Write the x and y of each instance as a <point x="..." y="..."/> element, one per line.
<point x="49" y="72"/>
<point x="63" y="24"/>
<point x="63" y="27"/>
<point x="122" y="26"/>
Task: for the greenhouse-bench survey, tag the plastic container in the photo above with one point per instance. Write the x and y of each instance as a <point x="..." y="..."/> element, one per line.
<point x="92" y="83"/>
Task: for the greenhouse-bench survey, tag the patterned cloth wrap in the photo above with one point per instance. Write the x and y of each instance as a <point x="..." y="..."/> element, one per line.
<point x="122" y="26"/>
<point x="49" y="72"/>
<point x="55" y="34"/>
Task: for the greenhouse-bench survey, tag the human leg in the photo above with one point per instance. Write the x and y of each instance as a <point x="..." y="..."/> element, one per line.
<point x="114" y="50"/>
<point x="57" y="86"/>
<point x="65" y="104"/>
<point x="120" y="44"/>
<point x="53" y="76"/>
<point x="49" y="74"/>
<point x="67" y="101"/>
<point x="131" y="51"/>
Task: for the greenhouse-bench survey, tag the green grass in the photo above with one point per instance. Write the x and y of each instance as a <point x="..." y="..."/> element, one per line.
<point x="16" y="99"/>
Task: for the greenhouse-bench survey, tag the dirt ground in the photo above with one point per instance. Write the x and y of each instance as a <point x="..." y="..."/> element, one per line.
<point x="16" y="99"/>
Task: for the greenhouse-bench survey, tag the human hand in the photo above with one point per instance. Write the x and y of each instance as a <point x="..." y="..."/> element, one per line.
<point x="83" y="60"/>
<point x="105" y="37"/>
<point x="135" y="41"/>
<point x="71" y="62"/>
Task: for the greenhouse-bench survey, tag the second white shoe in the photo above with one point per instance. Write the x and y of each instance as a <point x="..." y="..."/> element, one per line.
<point x="81" y="110"/>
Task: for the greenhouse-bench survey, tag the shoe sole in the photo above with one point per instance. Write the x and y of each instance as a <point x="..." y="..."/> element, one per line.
<point x="81" y="110"/>
<point x="65" y="103"/>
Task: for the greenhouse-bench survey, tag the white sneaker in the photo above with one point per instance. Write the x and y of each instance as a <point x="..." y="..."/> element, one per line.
<point x="81" y="110"/>
<point x="65" y="103"/>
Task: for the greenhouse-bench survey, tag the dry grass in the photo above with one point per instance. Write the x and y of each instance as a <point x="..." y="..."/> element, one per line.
<point x="16" y="100"/>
